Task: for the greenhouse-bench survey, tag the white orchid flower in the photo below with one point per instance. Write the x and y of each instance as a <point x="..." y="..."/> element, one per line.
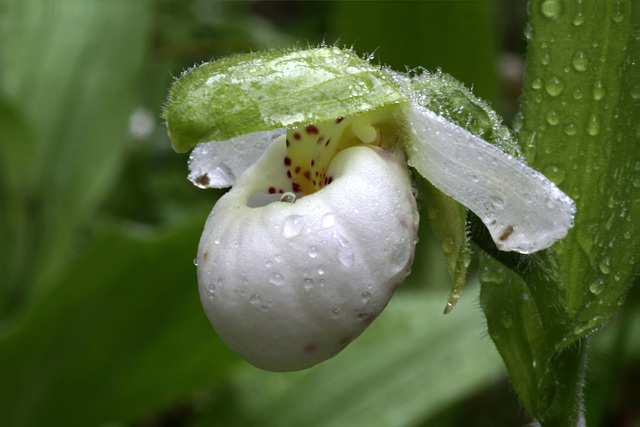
<point x="319" y="227"/>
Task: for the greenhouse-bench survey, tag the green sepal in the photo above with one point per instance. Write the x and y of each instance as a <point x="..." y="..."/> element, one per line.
<point x="267" y="90"/>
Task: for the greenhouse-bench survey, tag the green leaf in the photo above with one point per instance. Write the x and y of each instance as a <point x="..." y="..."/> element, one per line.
<point x="578" y="125"/>
<point x="410" y="364"/>
<point x="69" y="72"/>
<point x="122" y="334"/>
<point x="267" y="90"/>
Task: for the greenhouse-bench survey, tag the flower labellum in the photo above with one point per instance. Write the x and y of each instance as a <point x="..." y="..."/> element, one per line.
<point x="319" y="227"/>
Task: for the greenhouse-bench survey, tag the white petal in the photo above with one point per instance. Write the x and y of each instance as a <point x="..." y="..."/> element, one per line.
<point x="288" y="285"/>
<point x="218" y="164"/>
<point x="522" y="209"/>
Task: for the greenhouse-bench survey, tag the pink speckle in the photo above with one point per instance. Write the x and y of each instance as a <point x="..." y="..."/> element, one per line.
<point x="339" y="119"/>
<point x="272" y="190"/>
<point x="297" y="136"/>
<point x="287" y="161"/>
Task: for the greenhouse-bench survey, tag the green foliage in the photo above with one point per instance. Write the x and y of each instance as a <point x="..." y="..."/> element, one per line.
<point x="578" y="124"/>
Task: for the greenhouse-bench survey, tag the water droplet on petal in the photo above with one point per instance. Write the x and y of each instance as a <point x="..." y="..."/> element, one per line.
<point x="328" y="220"/>
<point x="321" y="269"/>
<point x="276" y="279"/>
<point x="195" y="262"/>
<point x="366" y="295"/>
<point x="308" y="284"/>
<point x="312" y="251"/>
<point x="345" y="251"/>
<point x="211" y="291"/>
<point x="288" y="198"/>
<point x="254" y="299"/>
<point x="292" y="226"/>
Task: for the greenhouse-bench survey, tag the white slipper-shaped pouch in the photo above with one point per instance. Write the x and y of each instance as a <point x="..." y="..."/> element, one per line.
<point x="289" y="283"/>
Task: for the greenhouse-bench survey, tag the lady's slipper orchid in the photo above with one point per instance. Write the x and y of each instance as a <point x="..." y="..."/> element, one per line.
<point x="319" y="227"/>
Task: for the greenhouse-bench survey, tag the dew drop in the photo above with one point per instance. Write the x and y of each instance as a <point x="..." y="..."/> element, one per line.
<point x="195" y="262"/>
<point x="570" y="129"/>
<point x="321" y="269"/>
<point x="546" y="58"/>
<point x="555" y="174"/>
<point x="617" y="16"/>
<point x="553" y="118"/>
<point x="288" y="198"/>
<point x="276" y="279"/>
<point x="345" y="251"/>
<point x="328" y="220"/>
<point x="593" y="125"/>
<point x="292" y="226"/>
<point x="598" y="91"/>
<point x="578" y="19"/>
<point x="605" y="266"/>
<point x="627" y="235"/>
<point x="596" y="288"/>
<point x="554" y="86"/>
<point x="335" y="313"/>
<point x="312" y="251"/>
<point x="537" y="84"/>
<point x="366" y="296"/>
<point x="308" y="284"/>
<point x="528" y="31"/>
<point x="254" y="299"/>
<point x="506" y="319"/>
<point x="577" y="94"/>
<point x="550" y="9"/>
<point x="635" y="92"/>
<point x="211" y="291"/>
<point x="579" y="61"/>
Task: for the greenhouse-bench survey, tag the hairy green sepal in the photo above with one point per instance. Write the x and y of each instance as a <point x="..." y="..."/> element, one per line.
<point x="267" y="90"/>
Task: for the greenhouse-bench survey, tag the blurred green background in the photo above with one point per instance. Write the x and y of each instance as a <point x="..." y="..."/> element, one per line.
<point x="100" y="319"/>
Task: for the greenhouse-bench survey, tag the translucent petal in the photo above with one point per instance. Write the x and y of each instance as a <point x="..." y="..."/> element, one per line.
<point x="288" y="285"/>
<point x="523" y="210"/>
<point x="218" y="164"/>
